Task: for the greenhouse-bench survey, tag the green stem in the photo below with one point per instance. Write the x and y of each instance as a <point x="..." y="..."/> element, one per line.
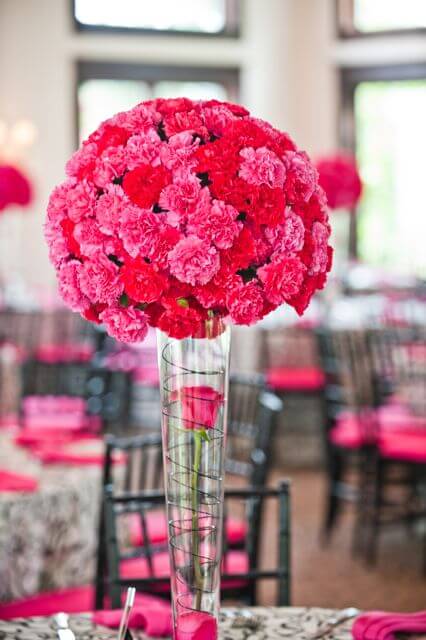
<point x="198" y="443"/>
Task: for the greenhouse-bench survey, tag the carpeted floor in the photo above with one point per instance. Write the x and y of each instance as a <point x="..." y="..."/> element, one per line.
<point x="331" y="577"/>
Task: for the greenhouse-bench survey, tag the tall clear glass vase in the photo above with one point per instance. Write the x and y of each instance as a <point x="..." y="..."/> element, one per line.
<point x="194" y="392"/>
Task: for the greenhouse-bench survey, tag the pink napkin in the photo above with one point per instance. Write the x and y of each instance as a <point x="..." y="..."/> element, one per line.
<point x="380" y="625"/>
<point x="72" y="458"/>
<point x="15" y="482"/>
<point x="150" y="614"/>
<point x="39" y="438"/>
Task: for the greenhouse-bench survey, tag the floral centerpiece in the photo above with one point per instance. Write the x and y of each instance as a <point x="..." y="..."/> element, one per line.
<point x="340" y="179"/>
<point x="15" y="188"/>
<point x="183" y="215"/>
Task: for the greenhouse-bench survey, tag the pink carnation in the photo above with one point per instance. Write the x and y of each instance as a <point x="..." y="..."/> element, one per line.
<point x="320" y="236"/>
<point x="58" y="247"/>
<point x="143" y="149"/>
<point x="179" y="151"/>
<point x="142" y="118"/>
<point x="91" y="241"/>
<point x="109" y="166"/>
<point x="282" y="279"/>
<point x="301" y="179"/>
<point x="245" y="303"/>
<point x="182" y="197"/>
<point x="82" y="161"/>
<point x="217" y="223"/>
<point x="125" y="324"/>
<point x="262" y="166"/>
<point x="99" y="280"/>
<point x="289" y="236"/>
<point x="69" y="286"/>
<point x="217" y="119"/>
<point x="81" y="201"/>
<point x="57" y="207"/>
<point x="139" y="229"/>
<point x="194" y="261"/>
<point x="109" y="209"/>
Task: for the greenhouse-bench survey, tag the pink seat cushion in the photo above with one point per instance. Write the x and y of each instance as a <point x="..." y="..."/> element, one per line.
<point x="235" y="562"/>
<point x="156" y="523"/>
<point x="57" y="353"/>
<point x="306" y="379"/>
<point x="405" y="447"/>
<point x="73" y="600"/>
<point x="399" y="432"/>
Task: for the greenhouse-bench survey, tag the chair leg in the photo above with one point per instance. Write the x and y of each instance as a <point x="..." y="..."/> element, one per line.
<point x="100" y="566"/>
<point x="374" y="508"/>
<point x="333" y="501"/>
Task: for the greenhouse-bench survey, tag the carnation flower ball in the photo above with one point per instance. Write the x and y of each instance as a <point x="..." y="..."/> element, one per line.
<point x="177" y="212"/>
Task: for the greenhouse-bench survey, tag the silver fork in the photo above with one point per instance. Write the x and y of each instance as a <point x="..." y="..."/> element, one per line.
<point x="333" y="621"/>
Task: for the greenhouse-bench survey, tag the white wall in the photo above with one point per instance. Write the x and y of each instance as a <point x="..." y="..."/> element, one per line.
<point x="287" y="78"/>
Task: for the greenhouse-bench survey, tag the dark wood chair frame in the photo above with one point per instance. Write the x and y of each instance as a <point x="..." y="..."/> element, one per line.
<point x="115" y="506"/>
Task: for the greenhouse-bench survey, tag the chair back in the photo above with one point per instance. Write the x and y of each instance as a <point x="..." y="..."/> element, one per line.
<point x="143" y="471"/>
<point x="398" y="356"/>
<point x="117" y="506"/>
<point x="252" y="419"/>
<point x="349" y="378"/>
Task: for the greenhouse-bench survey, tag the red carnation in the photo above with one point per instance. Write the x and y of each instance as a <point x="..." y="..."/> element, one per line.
<point x="68" y="227"/>
<point x="179" y="320"/>
<point x="109" y="136"/>
<point x="268" y="206"/>
<point x="242" y="253"/>
<point x="142" y="282"/>
<point x="144" y="184"/>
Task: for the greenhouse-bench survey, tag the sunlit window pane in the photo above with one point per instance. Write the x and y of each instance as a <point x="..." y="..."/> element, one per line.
<point x="391" y="138"/>
<point x="101" y="99"/>
<point x="208" y="16"/>
<point x="192" y="90"/>
<point x="388" y="15"/>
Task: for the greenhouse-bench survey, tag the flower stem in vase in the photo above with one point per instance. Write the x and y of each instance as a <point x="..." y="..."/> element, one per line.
<point x="198" y="444"/>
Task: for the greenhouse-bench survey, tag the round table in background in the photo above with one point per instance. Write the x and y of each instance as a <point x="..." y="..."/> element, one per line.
<point x="48" y="537"/>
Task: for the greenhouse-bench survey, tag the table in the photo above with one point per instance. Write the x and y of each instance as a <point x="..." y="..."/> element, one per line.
<point x="47" y="538"/>
<point x="291" y="623"/>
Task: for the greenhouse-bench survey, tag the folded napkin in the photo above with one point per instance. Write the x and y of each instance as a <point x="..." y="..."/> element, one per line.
<point x="380" y="625"/>
<point x="41" y="438"/>
<point x="72" y="458"/>
<point x="16" y="482"/>
<point x="49" y="456"/>
<point x="149" y="614"/>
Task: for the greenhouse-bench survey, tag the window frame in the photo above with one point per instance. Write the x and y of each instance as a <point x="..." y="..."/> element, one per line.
<point x="231" y="29"/>
<point x="85" y="70"/>
<point x="347" y="6"/>
<point x="350" y="78"/>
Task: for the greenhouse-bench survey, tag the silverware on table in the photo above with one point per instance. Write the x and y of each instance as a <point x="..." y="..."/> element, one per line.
<point x="124" y="622"/>
<point x="64" y="632"/>
<point x="333" y="621"/>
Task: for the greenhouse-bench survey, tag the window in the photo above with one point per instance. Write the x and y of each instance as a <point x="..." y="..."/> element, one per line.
<point x="357" y="17"/>
<point x="384" y="118"/>
<point x="209" y="17"/>
<point x="106" y="88"/>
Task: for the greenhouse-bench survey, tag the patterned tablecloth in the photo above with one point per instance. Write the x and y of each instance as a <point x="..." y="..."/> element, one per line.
<point x="291" y="623"/>
<point x="47" y="538"/>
